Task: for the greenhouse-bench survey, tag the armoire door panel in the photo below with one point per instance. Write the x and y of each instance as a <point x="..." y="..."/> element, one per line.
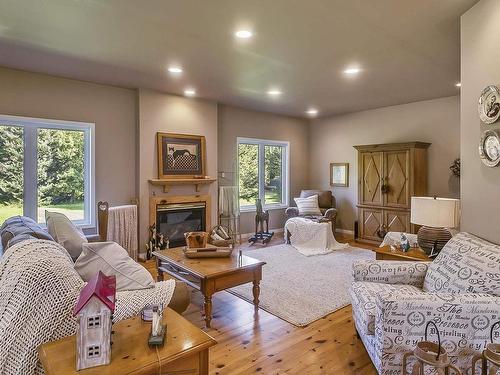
<point x="371" y="178"/>
<point x="397" y="221"/>
<point x="397" y="178"/>
<point x="371" y="222"/>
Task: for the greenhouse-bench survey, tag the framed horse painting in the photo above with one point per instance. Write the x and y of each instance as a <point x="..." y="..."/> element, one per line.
<point x="180" y="155"/>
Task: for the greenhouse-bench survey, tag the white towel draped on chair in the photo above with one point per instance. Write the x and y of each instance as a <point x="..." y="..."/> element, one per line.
<point x="122" y="228"/>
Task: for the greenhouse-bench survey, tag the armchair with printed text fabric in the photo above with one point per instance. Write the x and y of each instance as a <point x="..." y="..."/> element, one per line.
<point x="460" y="291"/>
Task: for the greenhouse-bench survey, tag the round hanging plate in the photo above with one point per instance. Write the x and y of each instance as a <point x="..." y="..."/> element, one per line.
<point x="489" y="148"/>
<point x="489" y="105"/>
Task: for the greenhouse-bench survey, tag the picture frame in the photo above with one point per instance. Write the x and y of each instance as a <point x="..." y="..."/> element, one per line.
<point x="339" y="174"/>
<point x="180" y="155"/>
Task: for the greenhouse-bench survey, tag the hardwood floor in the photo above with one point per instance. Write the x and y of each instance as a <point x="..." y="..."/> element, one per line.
<point x="252" y="342"/>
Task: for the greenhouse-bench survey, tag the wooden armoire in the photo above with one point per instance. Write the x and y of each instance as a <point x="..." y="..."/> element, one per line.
<point x="388" y="176"/>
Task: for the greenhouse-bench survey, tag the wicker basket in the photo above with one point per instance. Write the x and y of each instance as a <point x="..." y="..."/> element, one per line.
<point x="221" y="236"/>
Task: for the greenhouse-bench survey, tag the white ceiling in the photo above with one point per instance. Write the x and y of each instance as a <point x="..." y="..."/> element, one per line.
<point x="408" y="50"/>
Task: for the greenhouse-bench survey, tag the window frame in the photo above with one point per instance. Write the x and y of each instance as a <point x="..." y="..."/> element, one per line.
<point x="285" y="171"/>
<point x="30" y="163"/>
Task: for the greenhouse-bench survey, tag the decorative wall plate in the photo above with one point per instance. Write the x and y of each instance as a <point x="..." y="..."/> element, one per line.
<point x="489" y="105"/>
<point x="489" y="148"/>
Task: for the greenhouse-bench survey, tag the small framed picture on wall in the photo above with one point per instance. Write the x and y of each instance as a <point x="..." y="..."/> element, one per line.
<point x="339" y="174"/>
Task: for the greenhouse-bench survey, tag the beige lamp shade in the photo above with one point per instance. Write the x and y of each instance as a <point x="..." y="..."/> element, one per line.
<point x="435" y="212"/>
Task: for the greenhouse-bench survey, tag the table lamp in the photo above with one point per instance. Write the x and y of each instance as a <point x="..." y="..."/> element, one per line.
<point x="435" y="215"/>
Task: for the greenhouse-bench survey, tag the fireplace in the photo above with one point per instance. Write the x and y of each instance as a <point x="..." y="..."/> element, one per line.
<point x="175" y="219"/>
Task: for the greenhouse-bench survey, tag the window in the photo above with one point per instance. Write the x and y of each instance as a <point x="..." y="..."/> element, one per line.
<point x="93" y="351"/>
<point x="46" y="164"/>
<point x="93" y="321"/>
<point x="262" y="173"/>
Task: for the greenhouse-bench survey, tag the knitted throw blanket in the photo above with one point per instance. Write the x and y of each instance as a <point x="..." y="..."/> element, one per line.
<point x="38" y="289"/>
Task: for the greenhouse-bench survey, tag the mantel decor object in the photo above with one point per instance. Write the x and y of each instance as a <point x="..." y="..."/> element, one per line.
<point x="435" y="215"/>
<point x="489" y="105"/>
<point x="180" y="155"/>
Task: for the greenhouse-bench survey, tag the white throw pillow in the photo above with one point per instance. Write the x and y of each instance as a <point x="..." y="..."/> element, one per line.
<point x="112" y="259"/>
<point x="65" y="233"/>
<point x="308" y="206"/>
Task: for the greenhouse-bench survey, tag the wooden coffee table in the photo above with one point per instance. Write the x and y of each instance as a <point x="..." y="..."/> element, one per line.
<point x="211" y="275"/>
<point x="185" y="350"/>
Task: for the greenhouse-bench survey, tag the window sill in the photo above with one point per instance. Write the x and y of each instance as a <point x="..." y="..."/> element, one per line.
<point x="269" y="207"/>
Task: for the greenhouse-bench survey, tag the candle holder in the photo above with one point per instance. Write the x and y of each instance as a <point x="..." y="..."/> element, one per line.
<point x="429" y="355"/>
<point x="490" y="357"/>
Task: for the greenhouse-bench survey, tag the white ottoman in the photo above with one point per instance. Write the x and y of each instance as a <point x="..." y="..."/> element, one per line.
<point x="310" y="237"/>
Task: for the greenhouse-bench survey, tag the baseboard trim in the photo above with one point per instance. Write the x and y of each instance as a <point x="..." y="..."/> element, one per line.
<point x="246" y="236"/>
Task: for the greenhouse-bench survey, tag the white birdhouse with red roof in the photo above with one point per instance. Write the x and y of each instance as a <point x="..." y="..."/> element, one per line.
<point x="94" y="312"/>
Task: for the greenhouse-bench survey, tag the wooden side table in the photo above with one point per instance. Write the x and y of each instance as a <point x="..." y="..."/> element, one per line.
<point x="414" y="254"/>
<point x="185" y="350"/>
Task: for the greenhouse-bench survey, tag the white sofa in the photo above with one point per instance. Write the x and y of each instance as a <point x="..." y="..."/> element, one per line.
<point x="38" y="290"/>
<point x="460" y="291"/>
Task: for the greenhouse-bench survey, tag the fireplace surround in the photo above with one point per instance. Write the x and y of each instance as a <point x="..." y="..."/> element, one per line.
<point x="176" y="215"/>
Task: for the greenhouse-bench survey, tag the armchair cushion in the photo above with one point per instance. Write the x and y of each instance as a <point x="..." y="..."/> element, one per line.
<point x="364" y="296"/>
<point x="466" y="264"/>
<point x="308" y="206"/>
<point x="325" y="197"/>
<point x="390" y="272"/>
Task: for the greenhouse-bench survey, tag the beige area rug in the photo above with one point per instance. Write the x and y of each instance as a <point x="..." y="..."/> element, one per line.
<point x="302" y="289"/>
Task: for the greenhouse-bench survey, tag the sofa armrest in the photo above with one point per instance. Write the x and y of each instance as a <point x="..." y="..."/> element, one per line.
<point x="130" y="303"/>
<point x="463" y="320"/>
<point x="390" y="272"/>
<point x="291" y="212"/>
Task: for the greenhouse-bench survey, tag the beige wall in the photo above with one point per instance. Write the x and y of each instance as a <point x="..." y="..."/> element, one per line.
<point x="480" y="193"/>
<point x="237" y="122"/>
<point x="160" y="112"/>
<point x="112" y="109"/>
<point x="332" y="140"/>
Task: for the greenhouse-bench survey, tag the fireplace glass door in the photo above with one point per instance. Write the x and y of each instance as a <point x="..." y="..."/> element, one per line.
<point x="173" y="220"/>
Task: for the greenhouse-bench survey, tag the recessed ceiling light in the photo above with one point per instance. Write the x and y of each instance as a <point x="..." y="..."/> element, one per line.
<point x="274" y="92"/>
<point x="190" y="92"/>
<point x="243" y="34"/>
<point x="352" y="71"/>
<point x="312" y="112"/>
<point x="175" y="69"/>
<point x="459" y="84"/>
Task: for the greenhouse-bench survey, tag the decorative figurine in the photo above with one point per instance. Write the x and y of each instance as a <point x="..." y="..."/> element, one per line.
<point x="405" y="243"/>
<point x="94" y="312"/>
<point x="157" y="241"/>
<point x="157" y="336"/>
<point x="261" y="217"/>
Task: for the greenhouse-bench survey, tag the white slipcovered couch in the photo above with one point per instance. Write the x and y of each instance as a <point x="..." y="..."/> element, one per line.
<point x="460" y="291"/>
<point x="38" y="290"/>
